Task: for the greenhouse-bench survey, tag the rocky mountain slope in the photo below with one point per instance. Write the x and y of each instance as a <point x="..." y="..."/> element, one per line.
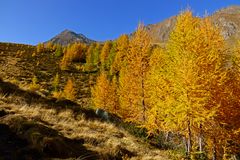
<point x="227" y="19"/>
<point x="66" y="37"/>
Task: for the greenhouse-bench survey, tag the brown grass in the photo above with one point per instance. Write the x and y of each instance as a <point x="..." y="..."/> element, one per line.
<point x="101" y="137"/>
<point x="18" y="66"/>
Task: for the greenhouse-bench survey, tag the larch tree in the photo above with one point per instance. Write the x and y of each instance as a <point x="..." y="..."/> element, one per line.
<point x="105" y="52"/>
<point x="194" y="66"/>
<point x="228" y="113"/>
<point x="132" y="78"/>
<point x="69" y="91"/>
<point x="100" y="91"/>
<point x="104" y="93"/>
<point x="157" y="91"/>
<point x="122" y="46"/>
<point x="96" y="54"/>
<point x="113" y="99"/>
<point x="89" y="54"/>
<point x="55" y="83"/>
<point x="111" y="57"/>
<point x="40" y="48"/>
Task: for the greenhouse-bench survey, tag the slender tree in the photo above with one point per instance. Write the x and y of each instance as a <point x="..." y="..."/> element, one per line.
<point x="105" y="53"/>
<point x="69" y="91"/>
<point x="133" y="77"/>
<point x="122" y="46"/>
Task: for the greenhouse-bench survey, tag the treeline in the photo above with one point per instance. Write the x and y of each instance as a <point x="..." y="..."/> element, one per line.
<point x="190" y="87"/>
<point x="91" y="56"/>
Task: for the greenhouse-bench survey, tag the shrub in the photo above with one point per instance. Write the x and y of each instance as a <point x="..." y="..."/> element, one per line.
<point x="69" y="90"/>
<point x="34" y="86"/>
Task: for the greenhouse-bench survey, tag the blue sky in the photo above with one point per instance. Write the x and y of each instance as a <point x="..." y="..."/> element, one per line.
<point x="34" y="21"/>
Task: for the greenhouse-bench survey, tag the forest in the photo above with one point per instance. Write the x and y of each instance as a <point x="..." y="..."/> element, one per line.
<point x="188" y="86"/>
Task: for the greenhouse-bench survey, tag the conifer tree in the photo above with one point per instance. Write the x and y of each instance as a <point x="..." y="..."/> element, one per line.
<point x="105" y="52"/>
<point x="122" y="46"/>
<point x="69" y="91"/>
<point x="158" y="91"/>
<point x="100" y="92"/>
<point x="111" y="57"/>
<point x="228" y="113"/>
<point x="96" y="54"/>
<point x="55" y="82"/>
<point x="133" y="77"/>
<point x="195" y="51"/>
<point x="184" y="79"/>
<point x="59" y="51"/>
<point x="89" y="54"/>
<point x="40" y="48"/>
<point x="113" y="96"/>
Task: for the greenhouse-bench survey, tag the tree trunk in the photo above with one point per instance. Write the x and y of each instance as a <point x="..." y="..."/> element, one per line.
<point x="185" y="144"/>
<point x="167" y="136"/>
<point x="214" y="152"/>
<point x="200" y="139"/>
<point x="189" y="142"/>
<point x="143" y="98"/>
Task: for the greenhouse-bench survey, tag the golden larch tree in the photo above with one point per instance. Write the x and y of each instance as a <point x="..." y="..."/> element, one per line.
<point x="133" y="77"/>
<point x="105" y="52"/>
<point x="100" y="92"/>
<point x="194" y="65"/>
<point x="158" y="91"/>
<point x="122" y="46"/>
<point x="69" y="91"/>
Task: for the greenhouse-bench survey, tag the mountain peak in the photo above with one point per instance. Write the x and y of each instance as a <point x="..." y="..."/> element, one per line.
<point x="67" y="37"/>
<point x="67" y="31"/>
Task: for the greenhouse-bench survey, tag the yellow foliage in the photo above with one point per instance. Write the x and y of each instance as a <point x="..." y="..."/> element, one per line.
<point x="185" y="78"/>
<point x="40" y="48"/>
<point x="121" y="52"/>
<point x="105" y="53"/>
<point x="34" y="86"/>
<point x="69" y="91"/>
<point x="104" y="94"/>
<point x="55" y="82"/>
<point x="57" y="94"/>
<point x="74" y="52"/>
<point x="133" y="77"/>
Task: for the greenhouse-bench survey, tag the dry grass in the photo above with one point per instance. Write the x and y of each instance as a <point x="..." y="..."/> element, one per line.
<point x="101" y="137"/>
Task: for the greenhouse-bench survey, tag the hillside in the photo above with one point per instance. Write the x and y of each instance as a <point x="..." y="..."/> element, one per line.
<point x="67" y="37"/>
<point x="33" y="125"/>
<point x="147" y="111"/>
<point x="45" y="130"/>
<point x="227" y="19"/>
<point x="20" y="63"/>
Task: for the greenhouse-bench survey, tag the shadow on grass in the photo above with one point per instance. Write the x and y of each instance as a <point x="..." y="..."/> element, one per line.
<point x="32" y="98"/>
<point x="24" y="139"/>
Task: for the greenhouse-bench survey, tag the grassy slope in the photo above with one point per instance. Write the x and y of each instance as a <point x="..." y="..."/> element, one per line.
<point x="19" y="65"/>
<point x="74" y="130"/>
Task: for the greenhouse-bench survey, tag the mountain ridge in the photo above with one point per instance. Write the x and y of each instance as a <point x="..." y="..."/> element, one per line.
<point x="227" y="19"/>
<point x="68" y="36"/>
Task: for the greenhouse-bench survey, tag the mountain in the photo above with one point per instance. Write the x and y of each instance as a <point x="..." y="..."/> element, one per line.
<point x="159" y="32"/>
<point x="227" y="19"/>
<point x="66" y="37"/>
